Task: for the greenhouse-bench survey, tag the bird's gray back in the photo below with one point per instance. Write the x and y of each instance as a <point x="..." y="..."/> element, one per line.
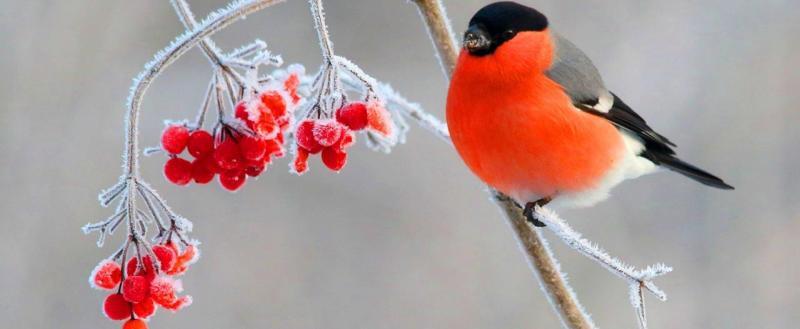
<point x="576" y="73"/>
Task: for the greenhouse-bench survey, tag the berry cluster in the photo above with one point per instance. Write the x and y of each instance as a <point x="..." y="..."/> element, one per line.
<point x="144" y="286"/>
<point x="332" y="137"/>
<point x="238" y="148"/>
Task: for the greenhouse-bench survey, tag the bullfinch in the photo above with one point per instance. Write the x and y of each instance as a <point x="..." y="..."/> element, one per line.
<point x="530" y="115"/>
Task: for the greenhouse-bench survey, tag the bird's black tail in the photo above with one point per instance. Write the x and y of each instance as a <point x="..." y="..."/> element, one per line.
<point x="688" y="170"/>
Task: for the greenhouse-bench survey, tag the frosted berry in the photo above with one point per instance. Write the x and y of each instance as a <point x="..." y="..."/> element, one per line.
<point x="274" y="148"/>
<point x="348" y="138"/>
<point x="202" y="171"/>
<point x="163" y="290"/>
<point x="378" y="118"/>
<point x="145" y="308"/>
<point x="116" y="307"/>
<point x="327" y="132"/>
<point x="232" y="179"/>
<point x="147" y="270"/>
<point x="353" y="115"/>
<point x="241" y="111"/>
<point x="252" y="148"/>
<point x="174" y="139"/>
<point x="178" y="171"/>
<point x="185" y="258"/>
<point x="290" y="84"/>
<point x="305" y="137"/>
<point x="180" y="303"/>
<point x="135" y="288"/>
<point x="106" y="275"/>
<point x="227" y="155"/>
<point x="189" y="255"/>
<point x="166" y="257"/>
<point x="274" y="102"/>
<point x="135" y="324"/>
<point x="300" y="164"/>
<point x="334" y="159"/>
<point x="200" y="144"/>
<point x="266" y="126"/>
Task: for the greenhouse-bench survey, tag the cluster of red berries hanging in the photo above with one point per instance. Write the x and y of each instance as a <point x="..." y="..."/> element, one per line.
<point x="257" y="122"/>
<point x="144" y="286"/>
<point x="237" y="148"/>
<point x="331" y="137"/>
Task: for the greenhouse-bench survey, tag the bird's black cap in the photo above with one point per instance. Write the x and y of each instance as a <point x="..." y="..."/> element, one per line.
<point x="498" y="22"/>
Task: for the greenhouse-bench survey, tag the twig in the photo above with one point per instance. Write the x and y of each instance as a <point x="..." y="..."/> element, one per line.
<point x="441" y="33"/>
<point x="638" y="280"/>
<point x="545" y="267"/>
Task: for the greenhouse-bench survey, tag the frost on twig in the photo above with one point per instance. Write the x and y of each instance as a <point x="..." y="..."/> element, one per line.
<point x="637" y="279"/>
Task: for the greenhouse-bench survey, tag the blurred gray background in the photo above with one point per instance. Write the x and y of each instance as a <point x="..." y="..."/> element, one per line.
<point x="407" y="240"/>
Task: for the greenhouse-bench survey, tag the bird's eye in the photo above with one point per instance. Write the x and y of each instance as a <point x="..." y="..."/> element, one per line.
<point x="508" y="34"/>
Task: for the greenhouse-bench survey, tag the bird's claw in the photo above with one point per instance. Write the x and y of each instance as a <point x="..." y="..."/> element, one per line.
<point x="529" y="215"/>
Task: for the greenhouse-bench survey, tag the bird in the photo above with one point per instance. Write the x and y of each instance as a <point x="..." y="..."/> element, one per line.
<point x="529" y="114"/>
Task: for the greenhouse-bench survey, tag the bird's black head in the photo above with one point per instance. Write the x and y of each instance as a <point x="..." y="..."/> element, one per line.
<point x="499" y="22"/>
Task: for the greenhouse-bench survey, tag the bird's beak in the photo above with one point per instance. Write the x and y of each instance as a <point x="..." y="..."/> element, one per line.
<point x="477" y="40"/>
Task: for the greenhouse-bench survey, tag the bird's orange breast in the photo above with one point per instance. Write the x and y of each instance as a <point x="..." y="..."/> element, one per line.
<point x="521" y="134"/>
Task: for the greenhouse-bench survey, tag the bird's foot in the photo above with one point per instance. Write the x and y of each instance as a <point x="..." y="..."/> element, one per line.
<point x="528" y="211"/>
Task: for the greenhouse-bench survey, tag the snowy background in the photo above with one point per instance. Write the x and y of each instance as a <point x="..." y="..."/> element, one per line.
<point x="406" y="240"/>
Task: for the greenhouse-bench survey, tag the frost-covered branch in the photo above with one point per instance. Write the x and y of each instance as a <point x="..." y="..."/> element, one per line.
<point x="638" y="279"/>
<point x="544" y="265"/>
<point x="441" y="32"/>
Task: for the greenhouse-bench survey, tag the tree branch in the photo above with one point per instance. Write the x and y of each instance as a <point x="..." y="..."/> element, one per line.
<point x="441" y="33"/>
<point x="541" y="259"/>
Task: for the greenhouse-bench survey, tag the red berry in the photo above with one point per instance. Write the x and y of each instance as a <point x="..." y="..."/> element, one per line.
<point x="274" y="148"/>
<point x="200" y="144"/>
<point x="334" y="159"/>
<point x="232" y="180"/>
<point x="202" y="171"/>
<point x="166" y="257"/>
<point x="189" y="255"/>
<point x="241" y="111"/>
<point x="180" y="303"/>
<point x="116" y="307"/>
<point x="135" y="324"/>
<point x="348" y="138"/>
<point x="327" y="132"/>
<point x="135" y="288"/>
<point x="178" y="171"/>
<point x="227" y="155"/>
<point x="145" y="308"/>
<point x="106" y="275"/>
<point x="254" y="169"/>
<point x="378" y="118"/>
<point x="252" y="148"/>
<point x="266" y="126"/>
<point x="305" y="137"/>
<point x="147" y="270"/>
<point x="300" y="164"/>
<point x="353" y="115"/>
<point x="163" y="290"/>
<point x="274" y="102"/>
<point x="290" y="84"/>
<point x="174" y="139"/>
